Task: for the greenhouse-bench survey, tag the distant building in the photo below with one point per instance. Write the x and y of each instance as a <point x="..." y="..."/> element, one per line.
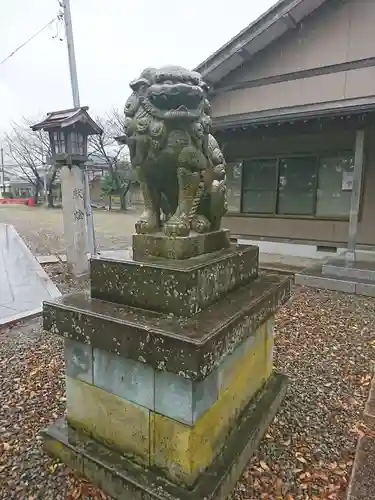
<point x="15" y="185"/>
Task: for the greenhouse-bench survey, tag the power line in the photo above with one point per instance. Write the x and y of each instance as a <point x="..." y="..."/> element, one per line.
<point x="59" y="17"/>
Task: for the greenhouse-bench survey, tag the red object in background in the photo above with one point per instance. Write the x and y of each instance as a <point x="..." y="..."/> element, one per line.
<point x="17" y="201"/>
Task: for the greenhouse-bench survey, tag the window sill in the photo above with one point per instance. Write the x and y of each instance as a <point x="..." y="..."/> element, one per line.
<point x="278" y="216"/>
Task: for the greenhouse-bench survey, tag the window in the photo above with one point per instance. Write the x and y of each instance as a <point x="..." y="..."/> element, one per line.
<point x="297" y="185"/>
<point x="334" y="188"/>
<point x="78" y="145"/>
<point x="234" y="183"/>
<point x="259" y="186"/>
<point x="310" y="185"/>
<point x="59" y="142"/>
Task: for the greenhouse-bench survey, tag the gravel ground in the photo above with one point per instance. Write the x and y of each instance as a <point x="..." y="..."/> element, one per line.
<point x="42" y="229"/>
<point x="65" y="282"/>
<point x="324" y="342"/>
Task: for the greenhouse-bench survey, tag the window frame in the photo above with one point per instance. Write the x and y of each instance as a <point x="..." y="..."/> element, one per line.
<point x="277" y="161"/>
<point x="277" y="158"/>
<point x="315" y="187"/>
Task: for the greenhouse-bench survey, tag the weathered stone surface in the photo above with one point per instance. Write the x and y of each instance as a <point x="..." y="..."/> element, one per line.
<point x="192" y="419"/>
<point x="128" y="379"/>
<point x="270" y="345"/>
<point x="179" y="247"/>
<point x="183" y="452"/>
<point x="113" y="421"/>
<point x="78" y="360"/>
<point x="238" y="361"/>
<point x="167" y="393"/>
<point x="180" y="287"/>
<point x="191" y="347"/>
<point x="183" y="399"/>
<point x="123" y="480"/>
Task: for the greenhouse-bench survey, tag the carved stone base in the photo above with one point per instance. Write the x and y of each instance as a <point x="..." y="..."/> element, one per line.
<point x="179" y="248"/>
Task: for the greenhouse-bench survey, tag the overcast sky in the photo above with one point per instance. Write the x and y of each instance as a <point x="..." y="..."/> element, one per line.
<point x="114" y="41"/>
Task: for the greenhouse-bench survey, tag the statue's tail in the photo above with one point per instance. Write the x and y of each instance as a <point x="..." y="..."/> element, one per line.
<point x="197" y="199"/>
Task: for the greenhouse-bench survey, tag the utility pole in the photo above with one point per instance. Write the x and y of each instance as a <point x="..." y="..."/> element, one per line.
<point x="76" y="103"/>
<point x="2" y="174"/>
<point x="71" y="53"/>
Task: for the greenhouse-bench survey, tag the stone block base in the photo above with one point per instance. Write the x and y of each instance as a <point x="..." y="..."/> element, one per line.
<point x="181" y="287"/>
<point x="191" y="348"/>
<point x="160" y="419"/>
<point x="124" y="480"/>
<point x="179" y="248"/>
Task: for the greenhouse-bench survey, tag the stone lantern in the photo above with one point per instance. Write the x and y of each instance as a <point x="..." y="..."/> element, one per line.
<point x="68" y="133"/>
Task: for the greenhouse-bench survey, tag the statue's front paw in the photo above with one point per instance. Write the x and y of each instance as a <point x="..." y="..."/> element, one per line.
<point x="148" y="223"/>
<point x="177" y="226"/>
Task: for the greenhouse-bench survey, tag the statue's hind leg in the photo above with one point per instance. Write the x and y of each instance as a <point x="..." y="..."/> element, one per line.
<point x="179" y="223"/>
<point x="191" y="162"/>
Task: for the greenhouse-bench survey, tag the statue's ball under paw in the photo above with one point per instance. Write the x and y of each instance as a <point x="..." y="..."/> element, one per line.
<point x="146" y="226"/>
<point x="200" y="224"/>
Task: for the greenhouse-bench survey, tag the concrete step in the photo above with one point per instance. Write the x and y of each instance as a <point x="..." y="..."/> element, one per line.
<point x="316" y="278"/>
<point x="361" y="270"/>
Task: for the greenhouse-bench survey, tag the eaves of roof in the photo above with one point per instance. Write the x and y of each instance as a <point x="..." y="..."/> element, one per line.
<point x="284" y="16"/>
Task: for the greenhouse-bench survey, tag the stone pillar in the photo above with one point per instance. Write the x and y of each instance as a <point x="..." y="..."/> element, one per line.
<point x="75" y="230"/>
<point x="356" y="195"/>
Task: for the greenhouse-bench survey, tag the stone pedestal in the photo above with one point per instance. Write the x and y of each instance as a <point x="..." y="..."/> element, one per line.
<point x="169" y="382"/>
<point x="159" y="245"/>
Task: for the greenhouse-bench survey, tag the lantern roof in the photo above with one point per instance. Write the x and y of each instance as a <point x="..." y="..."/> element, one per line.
<point x="68" y="118"/>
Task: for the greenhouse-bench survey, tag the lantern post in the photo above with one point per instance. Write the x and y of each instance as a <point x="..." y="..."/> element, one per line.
<point x="68" y="134"/>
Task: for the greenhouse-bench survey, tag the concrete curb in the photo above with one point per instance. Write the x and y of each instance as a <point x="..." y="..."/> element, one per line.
<point x="36" y="268"/>
<point x="16" y="318"/>
<point x="50" y="259"/>
<point x="362" y="480"/>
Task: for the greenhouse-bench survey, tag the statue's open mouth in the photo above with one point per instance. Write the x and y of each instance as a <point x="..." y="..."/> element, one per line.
<point x="174" y="100"/>
<point x="169" y="102"/>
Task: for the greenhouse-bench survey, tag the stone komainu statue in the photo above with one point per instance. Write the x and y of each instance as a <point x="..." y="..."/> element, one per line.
<point x="180" y="167"/>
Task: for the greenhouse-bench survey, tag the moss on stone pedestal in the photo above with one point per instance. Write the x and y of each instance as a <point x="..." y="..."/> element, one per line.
<point x="123" y="480"/>
<point x="179" y="248"/>
<point x="181" y="287"/>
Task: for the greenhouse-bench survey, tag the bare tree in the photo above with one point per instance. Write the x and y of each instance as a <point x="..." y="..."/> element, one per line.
<point x="28" y="150"/>
<point x="106" y="148"/>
